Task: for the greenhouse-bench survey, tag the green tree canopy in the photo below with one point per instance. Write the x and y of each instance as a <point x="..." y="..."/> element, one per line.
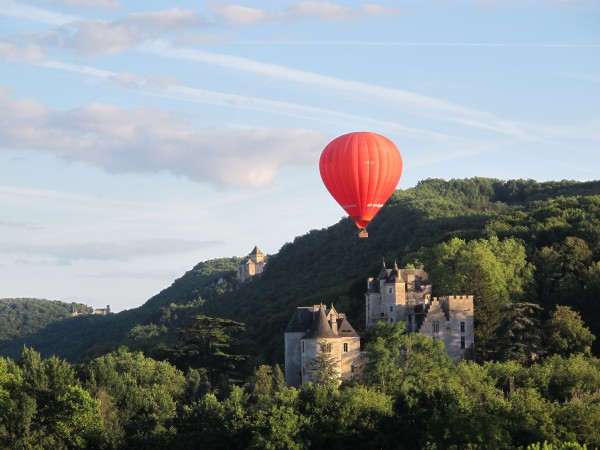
<point x="567" y="334"/>
<point x="495" y="271"/>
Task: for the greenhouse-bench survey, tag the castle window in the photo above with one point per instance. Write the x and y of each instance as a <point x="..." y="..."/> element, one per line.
<point x="435" y="325"/>
<point x="462" y="327"/>
<point x="352" y="368"/>
<point x="391" y="308"/>
<point x="390" y="290"/>
<point x="303" y="371"/>
<point x="462" y="342"/>
<point x="327" y="347"/>
<point x="345" y="346"/>
<point x="302" y="346"/>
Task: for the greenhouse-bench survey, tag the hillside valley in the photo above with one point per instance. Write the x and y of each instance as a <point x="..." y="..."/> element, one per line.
<point x="557" y="223"/>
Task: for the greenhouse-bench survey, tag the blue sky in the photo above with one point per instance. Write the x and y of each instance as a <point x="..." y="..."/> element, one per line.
<point x="139" y="138"/>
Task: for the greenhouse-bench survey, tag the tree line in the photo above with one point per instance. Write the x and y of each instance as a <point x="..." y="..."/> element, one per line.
<point x="409" y="396"/>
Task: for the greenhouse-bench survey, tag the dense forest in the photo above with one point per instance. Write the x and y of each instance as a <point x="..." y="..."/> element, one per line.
<point x="24" y="316"/>
<point x="420" y="400"/>
<point x="198" y="364"/>
<point x="556" y="225"/>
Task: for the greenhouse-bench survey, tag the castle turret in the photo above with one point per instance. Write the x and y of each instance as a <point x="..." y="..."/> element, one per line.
<point x="315" y="329"/>
<point x="252" y="266"/>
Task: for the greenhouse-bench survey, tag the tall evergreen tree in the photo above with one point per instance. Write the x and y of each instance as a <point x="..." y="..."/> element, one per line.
<point x="323" y="367"/>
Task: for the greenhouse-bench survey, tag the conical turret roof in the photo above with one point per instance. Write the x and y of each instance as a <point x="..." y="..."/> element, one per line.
<point x="320" y="328"/>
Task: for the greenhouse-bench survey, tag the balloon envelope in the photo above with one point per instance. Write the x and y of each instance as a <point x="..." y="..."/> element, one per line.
<point x="361" y="171"/>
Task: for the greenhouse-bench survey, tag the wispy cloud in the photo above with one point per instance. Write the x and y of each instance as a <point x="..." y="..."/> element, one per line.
<point x="332" y="12"/>
<point x="168" y="87"/>
<point x="152" y="274"/>
<point x="439" y="108"/>
<point x="94" y="37"/>
<point x="101" y="4"/>
<point x="17" y="224"/>
<point x="27" y="12"/>
<point x="153" y="140"/>
<point x="117" y="250"/>
<point x="138" y="29"/>
<point x="45" y="194"/>
<point x="553" y="4"/>
<point x="26" y="53"/>
<point x="425" y="44"/>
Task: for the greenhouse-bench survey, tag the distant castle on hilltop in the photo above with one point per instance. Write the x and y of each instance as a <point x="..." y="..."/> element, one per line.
<point x="252" y="266"/>
<point x="396" y="295"/>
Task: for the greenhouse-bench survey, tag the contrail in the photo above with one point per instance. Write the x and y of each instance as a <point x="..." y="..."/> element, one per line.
<point x="422" y="44"/>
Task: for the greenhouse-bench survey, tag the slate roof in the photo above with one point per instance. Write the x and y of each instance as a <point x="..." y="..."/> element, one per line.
<point x="316" y="325"/>
<point x="345" y="329"/>
<point x="320" y="328"/>
<point x="301" y="320"/>
<point x="255" y="251"/>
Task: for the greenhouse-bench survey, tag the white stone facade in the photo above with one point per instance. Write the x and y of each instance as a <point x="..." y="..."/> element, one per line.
<point x="404" y="295"/>
<point x="311" y="326"/>
<point x="396" y="295"/>
<point x="450" y="319"/>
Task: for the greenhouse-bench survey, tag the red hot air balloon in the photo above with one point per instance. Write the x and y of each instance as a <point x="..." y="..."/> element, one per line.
<point x="361" y="171"/>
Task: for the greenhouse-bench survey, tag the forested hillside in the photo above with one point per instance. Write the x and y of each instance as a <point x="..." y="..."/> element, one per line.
<point x="24" y="316"/>
<point x="557" y="224"/>
<point x="184" y="370"/>
<point x="140" y="328"/>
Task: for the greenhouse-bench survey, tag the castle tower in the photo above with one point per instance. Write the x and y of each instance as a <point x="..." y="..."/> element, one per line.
<point x="404" y="295"/>
<point x="252" y="266"/>
<point x="390" y="297"/>
<point x="311" y="326"/>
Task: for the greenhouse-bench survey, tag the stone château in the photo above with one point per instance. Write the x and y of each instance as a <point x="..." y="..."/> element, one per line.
<point x="395" y="295"/>
<point x="404" y="295"/>
<point x="252" y="266"/>
<point x="314" y="325"/>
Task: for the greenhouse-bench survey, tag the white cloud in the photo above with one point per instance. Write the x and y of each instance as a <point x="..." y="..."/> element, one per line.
<point x="21" y="53"/>
<point x="126" y="80"/>
<point x="167" y="87"/>
<point x="153" y="140"/>
<point x="93" y="37"/>
<point x="13" y="9"/>
<point x="241" y="15"/>
<point x="322" y="10"/>
<point x="117" y="250"/>
<point x="327" y="11"/>
<point x="102" y="4"/>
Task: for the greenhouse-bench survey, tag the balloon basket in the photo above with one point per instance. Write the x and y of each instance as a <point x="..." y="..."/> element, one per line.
<point x="363" y="233"/>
